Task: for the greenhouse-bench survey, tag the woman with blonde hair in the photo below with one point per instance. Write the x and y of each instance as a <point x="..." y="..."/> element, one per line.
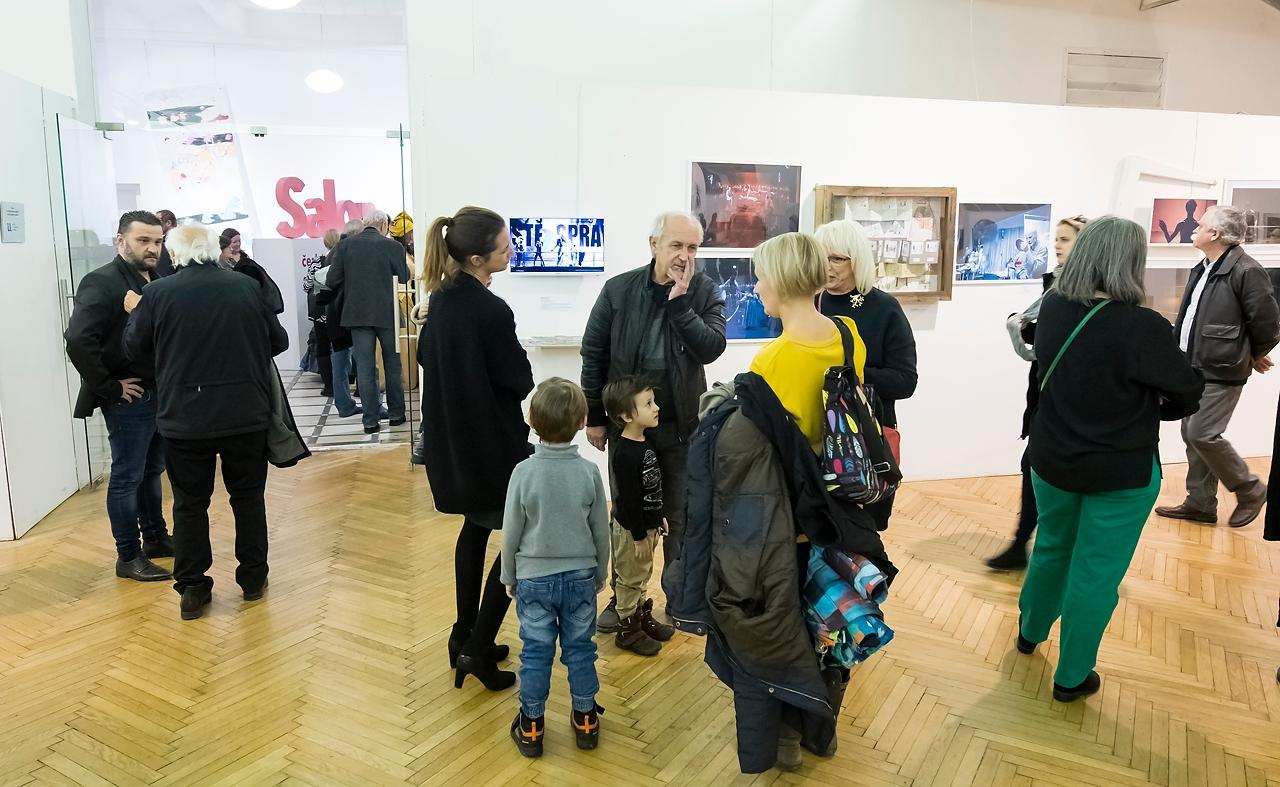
<point x="850" y="291"/>
<point x="1022" y="331"/>
<point x="475" y="377"/>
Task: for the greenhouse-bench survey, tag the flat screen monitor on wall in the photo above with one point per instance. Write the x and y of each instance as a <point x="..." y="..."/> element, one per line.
<point x="547" y="245"/>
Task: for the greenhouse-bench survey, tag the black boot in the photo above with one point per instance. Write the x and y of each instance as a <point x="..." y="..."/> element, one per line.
<point x="659" y="631"/>
<point x="458" y="638"/>
<point x="194" y="600"/>
<point x="586" y="727"/>
<point x="1089" y="685"/>
<point x="631" y="636"/>
<point x="160" y="546"/>
<point x="418" y="456"/>
<point x="1012" y="559"/>
<point x="527" y="733"/>
<point x="486" y="672"/>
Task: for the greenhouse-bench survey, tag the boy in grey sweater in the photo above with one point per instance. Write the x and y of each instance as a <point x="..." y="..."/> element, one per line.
<point x="555" y="558"/>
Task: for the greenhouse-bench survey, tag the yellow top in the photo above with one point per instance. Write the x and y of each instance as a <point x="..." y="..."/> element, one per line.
<point x="795" y="371"/>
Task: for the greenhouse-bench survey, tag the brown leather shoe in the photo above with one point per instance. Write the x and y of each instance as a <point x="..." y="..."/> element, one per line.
<point x="1188" y="513"/>
<point x="1249" y="507"/>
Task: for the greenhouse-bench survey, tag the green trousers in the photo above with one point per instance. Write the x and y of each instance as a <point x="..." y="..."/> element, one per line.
<point x="1084" y="543"/>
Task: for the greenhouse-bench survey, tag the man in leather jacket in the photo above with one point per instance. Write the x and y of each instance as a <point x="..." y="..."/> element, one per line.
<point x="1227" y="324"/>
<point x="124" y="390"/>
<point x="665" y="321"/>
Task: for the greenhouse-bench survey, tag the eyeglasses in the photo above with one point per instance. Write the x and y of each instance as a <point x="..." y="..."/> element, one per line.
<point x="838" y="259"/>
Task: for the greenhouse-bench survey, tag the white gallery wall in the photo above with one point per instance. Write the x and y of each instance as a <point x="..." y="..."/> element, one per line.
<point x="623" y="152"/>
<point x="1222" y="54"/>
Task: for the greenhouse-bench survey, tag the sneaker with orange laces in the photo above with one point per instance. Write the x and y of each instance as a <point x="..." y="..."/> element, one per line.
<point x="586" y="727"/>
<point x="527" y="733"/>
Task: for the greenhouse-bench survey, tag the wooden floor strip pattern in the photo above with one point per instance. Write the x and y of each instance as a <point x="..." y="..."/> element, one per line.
<point x="340" y="677"/>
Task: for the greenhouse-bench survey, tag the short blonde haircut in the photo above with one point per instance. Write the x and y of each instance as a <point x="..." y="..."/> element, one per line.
<point x="331" y="238"/>
<point x="793" y="263"/>
<point x="191" y="243"/>
<point x="846" y="238"/>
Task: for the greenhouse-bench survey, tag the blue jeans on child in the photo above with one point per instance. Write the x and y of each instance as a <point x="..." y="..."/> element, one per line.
<point x="137" y="462"/>
<point x="561" y="605"/>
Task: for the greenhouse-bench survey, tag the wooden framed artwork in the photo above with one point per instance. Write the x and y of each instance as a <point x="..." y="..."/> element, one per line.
<point x="910" y="231"/>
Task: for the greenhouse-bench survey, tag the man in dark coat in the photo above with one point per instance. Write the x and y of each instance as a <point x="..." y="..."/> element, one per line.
<point x="125" y="392"/>
<point x="1227" y="324"/>
<point x="363" y="270"/>
<point x="664" y="321"/>
<point x="211" y="337"/>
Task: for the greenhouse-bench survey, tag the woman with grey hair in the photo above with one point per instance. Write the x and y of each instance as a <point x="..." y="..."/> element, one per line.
<point x="1111" y="372"/>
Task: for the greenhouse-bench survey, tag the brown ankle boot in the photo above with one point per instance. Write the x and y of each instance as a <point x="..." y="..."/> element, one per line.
<point x="632" y="637"/>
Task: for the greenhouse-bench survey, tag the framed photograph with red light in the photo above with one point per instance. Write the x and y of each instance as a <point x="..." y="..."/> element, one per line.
<point x="742" y="205"/>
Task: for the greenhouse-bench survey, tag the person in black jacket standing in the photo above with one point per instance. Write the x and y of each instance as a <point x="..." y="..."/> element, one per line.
<point x="882" y="325"/>
<point x="663" y="321"/>
<point x="1112" y="373"/>
<point x="125" y="392"/>
<point x="1227" y="324"/>
<point x="215" y="401"/>
<point x="363" y="270"/>
<point x="475" y="376"/>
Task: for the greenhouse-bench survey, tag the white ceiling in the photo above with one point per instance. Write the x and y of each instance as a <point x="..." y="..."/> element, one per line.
<point x="363" y="23"/>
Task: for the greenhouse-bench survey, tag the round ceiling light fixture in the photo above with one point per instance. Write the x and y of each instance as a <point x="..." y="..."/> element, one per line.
<point x="276" y="5"/>
<point x="323" y="80"/>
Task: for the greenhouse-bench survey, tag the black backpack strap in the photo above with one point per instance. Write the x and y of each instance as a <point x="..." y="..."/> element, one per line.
<point x="846" y="339"/>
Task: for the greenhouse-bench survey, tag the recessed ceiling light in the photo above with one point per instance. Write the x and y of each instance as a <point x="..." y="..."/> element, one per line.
<point x="276" y="5"/>
<point x="324" y="81"/>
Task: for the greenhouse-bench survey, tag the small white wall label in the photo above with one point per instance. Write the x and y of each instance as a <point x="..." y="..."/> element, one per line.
<point x="13" y="223"/>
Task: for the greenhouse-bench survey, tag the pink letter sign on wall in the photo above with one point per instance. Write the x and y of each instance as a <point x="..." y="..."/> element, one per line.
<point x="326" y="212"/>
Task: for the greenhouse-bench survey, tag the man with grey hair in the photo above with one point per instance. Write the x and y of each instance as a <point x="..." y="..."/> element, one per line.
<point x="363" y="269"/>
<point x="1227" y="324"/>
<point x="664" y="321"/>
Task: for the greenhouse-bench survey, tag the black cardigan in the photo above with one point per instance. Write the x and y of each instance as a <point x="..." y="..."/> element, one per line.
<point x="1097" y="426"/>
<point x="475" y="376"/>
<point x="891" y="346"/>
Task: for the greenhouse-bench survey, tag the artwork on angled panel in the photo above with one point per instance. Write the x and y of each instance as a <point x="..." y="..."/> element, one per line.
<point x="1173" y="220"/>
<point x="546" y="245"/>
<point x="1001" y="242"/>
<point x="735" y="278"/>
<point x="742" y="205"/>
<point x="1260" y="201"/>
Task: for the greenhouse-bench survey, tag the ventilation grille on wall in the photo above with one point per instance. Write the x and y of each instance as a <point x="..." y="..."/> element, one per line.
<point x="1099" y="79"/>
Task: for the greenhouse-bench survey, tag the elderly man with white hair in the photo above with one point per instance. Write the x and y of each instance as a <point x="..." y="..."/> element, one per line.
<point x="363" y="270"/>
<point x="1227" y="324"/>
<point x="211" y="336"/>
<point x="665" y="322"/>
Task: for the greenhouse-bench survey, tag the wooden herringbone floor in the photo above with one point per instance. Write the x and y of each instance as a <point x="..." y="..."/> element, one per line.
<point x="340" y="675"/>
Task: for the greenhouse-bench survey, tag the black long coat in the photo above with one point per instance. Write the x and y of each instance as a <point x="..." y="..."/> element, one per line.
<point x="475" y="377"/>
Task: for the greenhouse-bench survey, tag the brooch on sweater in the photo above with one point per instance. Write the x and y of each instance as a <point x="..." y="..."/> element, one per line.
<point x="856" y="300"/>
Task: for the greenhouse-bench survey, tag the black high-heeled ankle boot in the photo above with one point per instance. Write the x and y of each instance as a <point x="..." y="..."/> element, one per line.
<point x="486" y="672"/>
<point x="456" y="641"/>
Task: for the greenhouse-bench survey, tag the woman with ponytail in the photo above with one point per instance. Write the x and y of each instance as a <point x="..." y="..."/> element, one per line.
<point x="476" y="375"/>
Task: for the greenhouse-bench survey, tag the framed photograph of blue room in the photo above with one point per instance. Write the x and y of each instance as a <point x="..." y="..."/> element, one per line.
<point x="551" y="245"/>
<point x="744" y="315"/>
